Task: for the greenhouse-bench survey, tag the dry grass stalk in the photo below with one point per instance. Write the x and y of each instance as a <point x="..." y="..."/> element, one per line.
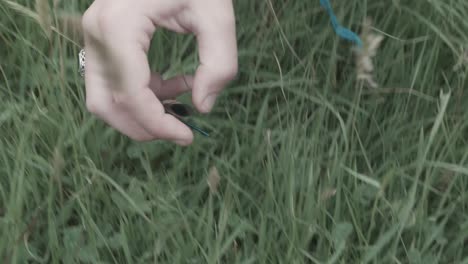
<point x="364" y="56"/>
<point x="44" y="16"/>
<point x="462" y="60"/>
<point x="70" y="25"/>
<point x="213" y="180"/>
<point x="327" y="194"/>
<point x="56" y="3"/>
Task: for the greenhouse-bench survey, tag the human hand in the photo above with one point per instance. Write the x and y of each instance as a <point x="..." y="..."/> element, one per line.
<point x="120" y="88"/>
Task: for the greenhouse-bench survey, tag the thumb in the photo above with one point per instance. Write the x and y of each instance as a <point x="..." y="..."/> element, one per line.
<point x="208" y="83"/>
<point x="218" y="60"/>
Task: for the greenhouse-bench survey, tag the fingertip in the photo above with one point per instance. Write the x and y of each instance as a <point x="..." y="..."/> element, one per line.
<point x="180" y="133"/>
<point x="186" y="139"/>
<point x="204" y="103"/>
<point x="209" y="102"/>
<point x="149" y="113"/>
<point x="207" y="85"/>
<point x="184" y="143"/>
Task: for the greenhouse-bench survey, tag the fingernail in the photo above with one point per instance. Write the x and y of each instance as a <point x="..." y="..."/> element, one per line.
<point x="209" y="102"/>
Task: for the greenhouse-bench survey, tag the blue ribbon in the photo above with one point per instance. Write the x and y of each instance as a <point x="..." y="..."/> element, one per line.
<point x="340" y="30"/>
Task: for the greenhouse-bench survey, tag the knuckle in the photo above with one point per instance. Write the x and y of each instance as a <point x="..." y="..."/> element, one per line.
<point x="87" y="19"/>
<point x="101" y="22"/>
<point x="107" y="19"/>
<point x="89" y="22"/>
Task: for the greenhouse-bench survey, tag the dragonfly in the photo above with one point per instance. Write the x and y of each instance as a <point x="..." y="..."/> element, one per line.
<point x="182" y="112"/>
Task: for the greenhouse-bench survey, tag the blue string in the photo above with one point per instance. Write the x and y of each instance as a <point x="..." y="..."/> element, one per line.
<point x="340" y="30"/>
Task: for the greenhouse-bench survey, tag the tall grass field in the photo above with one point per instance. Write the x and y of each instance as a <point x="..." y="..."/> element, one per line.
<point x="319" y="151"/>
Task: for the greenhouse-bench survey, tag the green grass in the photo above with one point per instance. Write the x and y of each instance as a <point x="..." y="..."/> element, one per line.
<point x="314" y="167"/>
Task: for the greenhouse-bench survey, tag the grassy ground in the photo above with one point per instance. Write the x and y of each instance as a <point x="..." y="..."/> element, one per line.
<point x="314" y="166"/>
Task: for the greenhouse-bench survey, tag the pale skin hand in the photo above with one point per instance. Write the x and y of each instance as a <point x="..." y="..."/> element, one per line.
<point x="121" y="89"/>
